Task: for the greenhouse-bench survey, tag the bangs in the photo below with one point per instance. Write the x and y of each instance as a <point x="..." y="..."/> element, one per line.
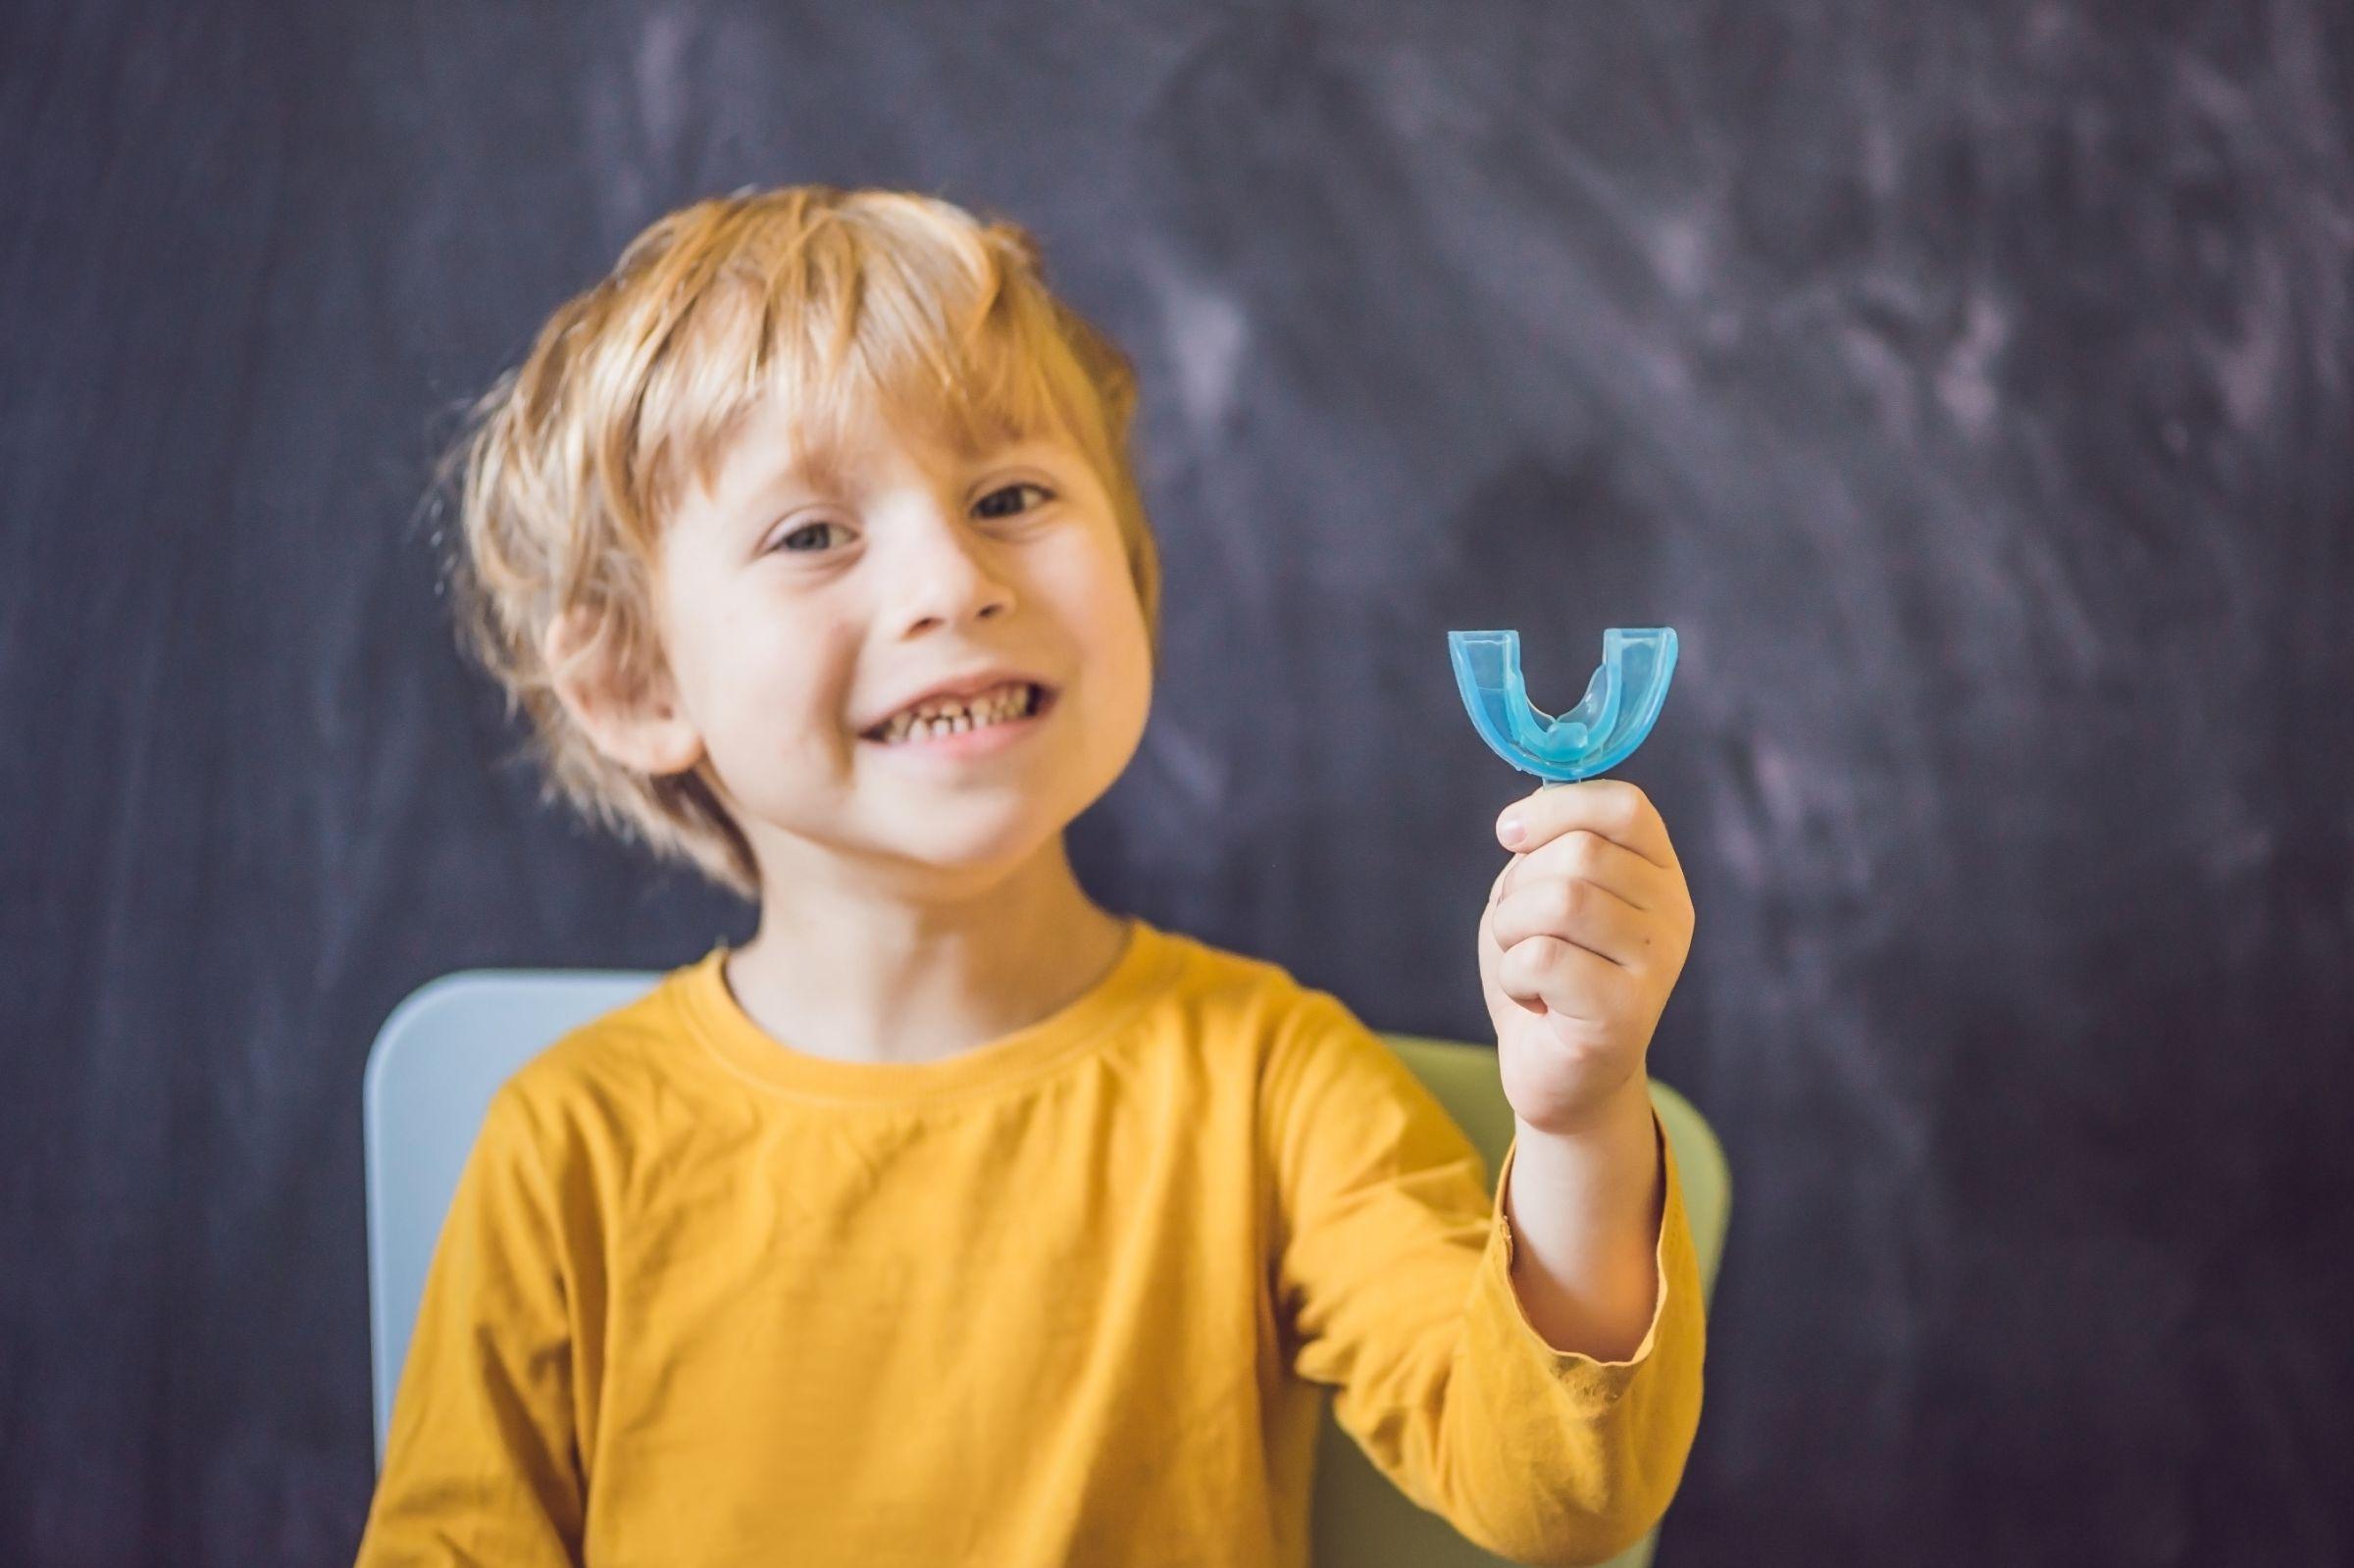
<point x="858" y="318"/>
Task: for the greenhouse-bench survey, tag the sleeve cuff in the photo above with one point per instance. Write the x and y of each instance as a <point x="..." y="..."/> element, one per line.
<point x="1597" y="1381"/>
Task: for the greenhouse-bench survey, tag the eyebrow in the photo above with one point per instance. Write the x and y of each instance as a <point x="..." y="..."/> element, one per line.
<point x="824" y="468"/>
<point x="820" y="468"/>
<point x="819" y="471"/>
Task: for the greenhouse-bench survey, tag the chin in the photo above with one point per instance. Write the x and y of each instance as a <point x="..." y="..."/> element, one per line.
<point x="970" y="839"/>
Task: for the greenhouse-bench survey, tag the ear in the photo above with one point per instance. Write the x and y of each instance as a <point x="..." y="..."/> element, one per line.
<point x="633" y="716"/>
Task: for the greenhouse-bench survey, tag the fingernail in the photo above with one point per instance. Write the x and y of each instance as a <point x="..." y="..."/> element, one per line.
<point x="1512" y="831"/>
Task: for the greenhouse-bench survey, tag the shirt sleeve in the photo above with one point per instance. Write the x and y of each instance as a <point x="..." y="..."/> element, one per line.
<point x="1391" y="1278"/>
<point x="481" y="1465"/>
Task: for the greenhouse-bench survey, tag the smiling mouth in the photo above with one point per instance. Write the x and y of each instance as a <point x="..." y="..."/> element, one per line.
<point x="1013" y="701"/>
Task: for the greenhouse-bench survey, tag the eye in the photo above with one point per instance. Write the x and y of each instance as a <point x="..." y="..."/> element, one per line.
<point x="804" y="532"/>
<point x="985" y="505"/>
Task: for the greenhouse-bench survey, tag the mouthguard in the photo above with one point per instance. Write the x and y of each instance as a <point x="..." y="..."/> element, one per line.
<point x="1621" y="703"/>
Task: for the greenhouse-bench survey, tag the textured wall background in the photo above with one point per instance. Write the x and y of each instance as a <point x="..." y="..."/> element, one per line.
<point x="1967" y="383"/>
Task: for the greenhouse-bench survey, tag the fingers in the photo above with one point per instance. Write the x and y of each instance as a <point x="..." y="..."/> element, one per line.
<point x="1582" y="854"/>
<point x="1546" y="974"/>
<point x="1590" y="915"/>
<point x="1584" y="913"/>
<point x="1608" y="808"/>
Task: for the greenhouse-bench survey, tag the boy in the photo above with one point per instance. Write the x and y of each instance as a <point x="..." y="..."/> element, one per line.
<point x="953" y="1218"/>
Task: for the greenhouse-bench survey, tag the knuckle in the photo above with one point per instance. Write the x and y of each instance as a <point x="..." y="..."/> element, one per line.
<point x="1518" y="973"/>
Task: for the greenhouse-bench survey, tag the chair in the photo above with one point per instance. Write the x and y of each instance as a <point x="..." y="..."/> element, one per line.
<point x="446" y="1049"/>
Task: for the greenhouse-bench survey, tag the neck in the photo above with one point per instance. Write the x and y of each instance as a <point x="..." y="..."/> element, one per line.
<point x="843" y="970"/>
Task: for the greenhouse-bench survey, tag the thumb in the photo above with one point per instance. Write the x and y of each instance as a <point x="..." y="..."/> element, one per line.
<point x="1495" y="888"/>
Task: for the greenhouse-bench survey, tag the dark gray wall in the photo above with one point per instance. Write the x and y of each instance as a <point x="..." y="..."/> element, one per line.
<point x="1967" y="383"/>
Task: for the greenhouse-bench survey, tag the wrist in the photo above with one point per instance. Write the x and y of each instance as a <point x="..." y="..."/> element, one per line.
<point x="1612" y="1112"/>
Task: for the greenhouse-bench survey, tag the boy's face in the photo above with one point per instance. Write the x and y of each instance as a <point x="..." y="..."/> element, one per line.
<point x="801" y="615"/>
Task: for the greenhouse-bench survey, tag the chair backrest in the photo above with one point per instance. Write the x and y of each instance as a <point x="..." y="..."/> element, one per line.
<point x="446" y="1049"/>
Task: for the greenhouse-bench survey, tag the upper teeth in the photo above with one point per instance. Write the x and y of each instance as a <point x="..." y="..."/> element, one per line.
<point x="944" y="715"/>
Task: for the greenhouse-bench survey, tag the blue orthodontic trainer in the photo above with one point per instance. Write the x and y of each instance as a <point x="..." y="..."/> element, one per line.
<point x="1623" y="701"/>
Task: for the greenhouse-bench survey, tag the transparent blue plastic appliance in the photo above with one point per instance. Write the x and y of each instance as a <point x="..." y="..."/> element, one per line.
<point x="1621" y="703"/>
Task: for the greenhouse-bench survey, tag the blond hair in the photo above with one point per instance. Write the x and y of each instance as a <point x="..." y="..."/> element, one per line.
<point x="841" y="302"/>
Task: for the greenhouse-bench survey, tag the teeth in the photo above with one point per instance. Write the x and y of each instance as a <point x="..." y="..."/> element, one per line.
<point x="955" y="715"/>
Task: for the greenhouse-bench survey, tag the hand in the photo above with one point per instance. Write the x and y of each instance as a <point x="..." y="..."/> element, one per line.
<point x="1585" y="932"/>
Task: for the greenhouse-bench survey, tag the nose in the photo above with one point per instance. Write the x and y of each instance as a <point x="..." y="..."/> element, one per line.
<point x="943" y="576"/>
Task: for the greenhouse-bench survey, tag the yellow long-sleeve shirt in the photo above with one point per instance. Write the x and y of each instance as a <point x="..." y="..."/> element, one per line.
<point x="1065" y="1297"/>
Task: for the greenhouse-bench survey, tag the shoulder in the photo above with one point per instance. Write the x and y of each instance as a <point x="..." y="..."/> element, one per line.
<point x="1338" y="1108"/>
<point x="597" y="1084"/>
<point x="1237" y="987"/>
<point x="1287" y="1021"/>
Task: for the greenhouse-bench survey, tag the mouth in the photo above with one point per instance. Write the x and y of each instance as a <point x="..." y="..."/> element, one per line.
<point x="1007" y="705"/>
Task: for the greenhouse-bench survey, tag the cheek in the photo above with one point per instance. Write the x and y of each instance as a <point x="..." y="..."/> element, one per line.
<point x="1098" y="605"/>
<point x="773" y="672"/>
<point x="1120" y="656"/>
<point x="1136" y="637"/>
<point x="1111" y="617"/>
